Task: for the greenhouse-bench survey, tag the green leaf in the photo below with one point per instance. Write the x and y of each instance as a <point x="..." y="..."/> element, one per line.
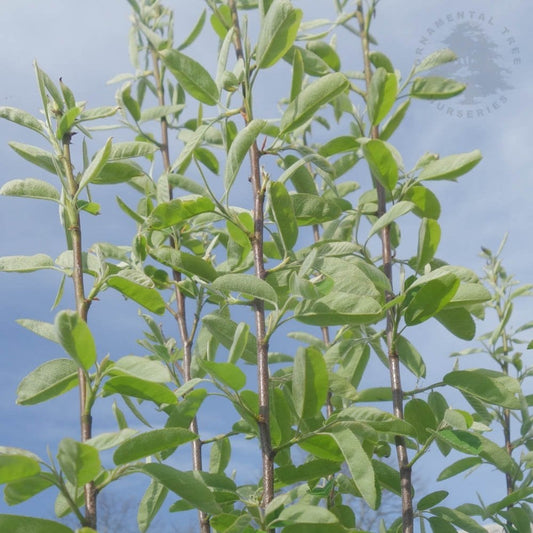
<point x="22" y="118"/>
<point x="419" y="414"/>
<point x="297" y="75"/>
<point x="435" y="88"/>
<point x="130" y="103"/>
<point x="76" y="338"/>
<point x="117" y="172"/>
<point x="461" y="440"/>
<point x="16" y="467"/>
<point x="176" y="211"/>
<point x="22" y="490"/>
<point x="458" y="467"/>
<point x="47" y="381"/>
<point x="67" y="121"/>
<point x="159" y="112"/>
<point x="26" y="263"/>
<point x="439" y="525"/>
<point x="313" y="64"/>
<point x="309" y="382"/>
<point x="324" y="446"/>
<point x="150" y="504"/>
<point x="148" y="297"/>
<point x="219" y="456"/>
<point x="239" y="342"/>
<point x="27" y="524"/>
<point x="428" y="295"/>
<point x="428" y="242"/>
<point x="30" y="188"/>
<point x="397" y="210"/>
<point x="450" y="167"/>
<point x="188" y="485"/>
<point x="326" y="52"/>
<point x="426" y="203"/>
<point x="150" y="443"/>
<point x="339" y="309"/>
<point x="142" y="367"/>
<point x="128" y="149"/>
<point x="459" y="322"/>
<point x="246" y="284"/>
<point x="359" y="464"/>
<point x="194" y="32"/>
<point x="188" y="264"/>
<point x="311" y="99"/>
<point x="396" y="119"/>
<point x="379" y="59"/>
<point x="314" y="469"/>
<point x="98" y="113"/>
<point x="301" y="513"/>
<point x="381" y="162"/>
<point x="79" y="462"/>
<point x="459" y="519"/>
<point x="381" y="94"/>
<point x="224" y="331"/>
<point x="431" y="499"/>
<point x="310" y="209"/>
<point x="488" y="385"/>
<point x="435" y="59"/>
<point x="284" y="216"/>
<point x="278" y="32"/>
<point x="193" y="77"/>
<point x="96" y="166"/>
<point x="105" y="441"/>
<point x="297" y="171"/>
<point x="227" y="373"/>
<point x="410" y="357"/>
<point x="238" y="150"/>
<point x="140" y="388"/>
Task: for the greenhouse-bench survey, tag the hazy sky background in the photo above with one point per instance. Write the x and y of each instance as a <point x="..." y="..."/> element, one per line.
<point x="86" y="44"/>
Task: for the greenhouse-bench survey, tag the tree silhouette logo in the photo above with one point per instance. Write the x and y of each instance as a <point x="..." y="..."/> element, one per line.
<point x="487" y="55"/>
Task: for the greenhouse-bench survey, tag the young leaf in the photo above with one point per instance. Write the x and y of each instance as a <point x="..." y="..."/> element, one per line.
<point x="79" y="462"/>
<point x="150" y="443"/>
<point x="278" y="32"/>
<point x="188" y="485"/>
<point x="450" y="167"/>
<point x="297" y="75"/>
<point x="76" y="338"/>
<point x="140" y="388"/>
<point x="24" y="524"/>
<point x="397" y="210"/>
<point x="44" y="329"/>
<point x="381" y="162"/>
<point x="410" y="357"/>
<point x="37" y="156"/>
<point x="381" y="95"/>
<point x="458" y="467"/>
<point x="326" y="52"/>
<point x="142" y="367"/>
<point x="92" y="171"/>
<point x="419" y="414"/>
<point x="158" y="112"/>
<point x="22" y="490"/>
<point x="47" y="381"/>
<point x="431" y="499"/>
<point x="394" y="121"/>
<point x="309" y="382"/>
<point x="435" y="88"/>
<point x="459" y="519"/>
<point x="310" y="209"/>
<point x="25" y="263"/>
<point x="311" y="99"/>
<point x="435" y="59"/>
<point x="426" y="203"/>
<point x="239" y="342"/>
<point x="193" y="77"/>
<point x="117" y="172"/>
<point x="219" y="456"/>
<point x="284" y="214"/>
<point x="238" y="150"/>
<point x="194" y="32"/>
<point x="22" y="118"/>
<point x="30" y="188"/>
<point x="126" y="150"/>
<point x="246" y="284"/>
<point x="459" y="322"/>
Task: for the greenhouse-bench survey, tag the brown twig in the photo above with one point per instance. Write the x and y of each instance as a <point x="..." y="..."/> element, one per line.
<point x="394" y="360"/>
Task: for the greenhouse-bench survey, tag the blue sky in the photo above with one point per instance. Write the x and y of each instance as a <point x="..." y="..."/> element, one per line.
<point x="86" y="44"/>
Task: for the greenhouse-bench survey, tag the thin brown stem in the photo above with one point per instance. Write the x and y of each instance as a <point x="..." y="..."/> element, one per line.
<point x="181" y="312"/>
<point x="394" y="361"/>
<point x="263" y="378"/>
<point x="506" y="412"/>
<point x="82" y="307"/>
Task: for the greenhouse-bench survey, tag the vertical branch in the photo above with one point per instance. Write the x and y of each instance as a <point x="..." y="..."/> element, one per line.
<point x="181" y="313"/>
<point x="394" y="360"/>
<point x="258" y="191"/>
<point x="72" y="220"/>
